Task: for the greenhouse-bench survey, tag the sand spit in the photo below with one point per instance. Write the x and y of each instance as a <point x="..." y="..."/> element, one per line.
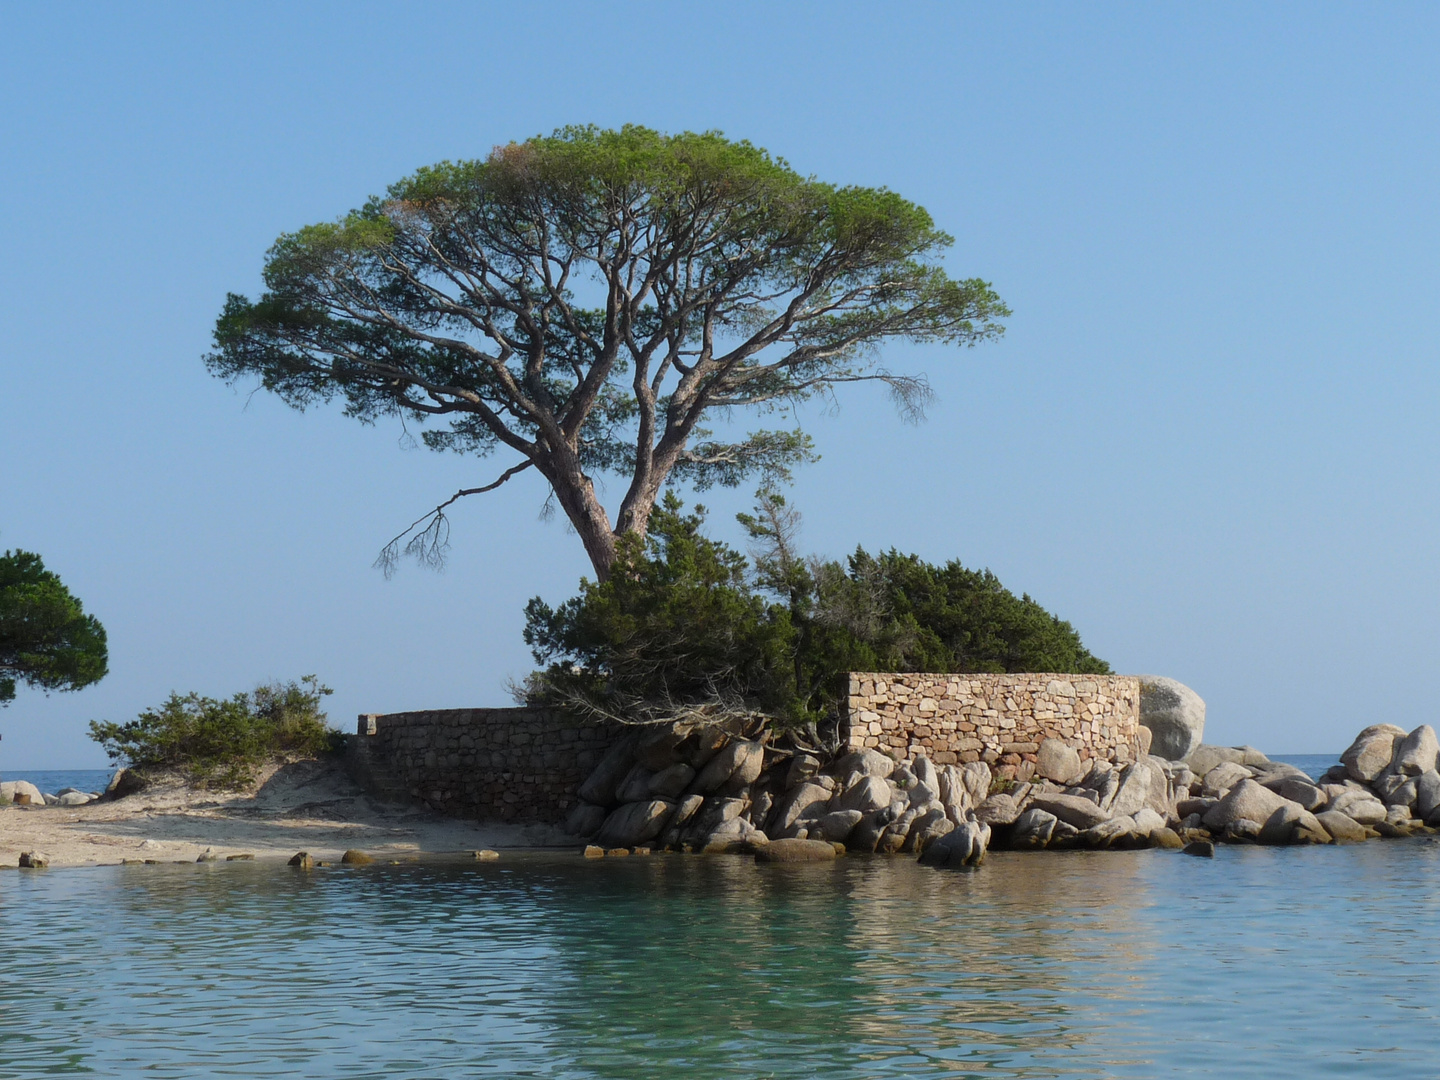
<point x="301" y="806"/>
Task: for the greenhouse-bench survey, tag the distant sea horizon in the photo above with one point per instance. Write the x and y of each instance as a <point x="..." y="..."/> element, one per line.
<point x="52" y="780"/>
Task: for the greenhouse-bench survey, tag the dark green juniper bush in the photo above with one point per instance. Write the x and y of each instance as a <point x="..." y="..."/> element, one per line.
<point x="686" y="626"/>
<point x="220" y="742"/>
<point x="586" y="300"/>
<point x="47" y="641"/>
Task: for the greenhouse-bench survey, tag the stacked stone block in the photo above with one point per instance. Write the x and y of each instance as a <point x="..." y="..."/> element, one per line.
<point x="998" y="719"/>
<point x="516" y="765"/>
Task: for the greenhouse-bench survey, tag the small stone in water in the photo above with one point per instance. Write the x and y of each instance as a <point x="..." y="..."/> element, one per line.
<point x="487" y="855"/>
<point x="356" y="858"/>
<point x="1204" y="848"/>
<point x="245" y="857"/>
<point x="302" y="859"/>
<point x="616" y="852"/>
<point x="38" y="860"/>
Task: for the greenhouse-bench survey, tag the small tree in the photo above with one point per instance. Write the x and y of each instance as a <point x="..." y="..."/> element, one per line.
<point x="46" y="639"/>
<point x="675" y="629"/>
<point x="684" y="627"/>
<point x="588" y="299"/>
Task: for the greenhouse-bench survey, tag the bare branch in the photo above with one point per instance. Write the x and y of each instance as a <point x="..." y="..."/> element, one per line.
<point x="428" y="546"/>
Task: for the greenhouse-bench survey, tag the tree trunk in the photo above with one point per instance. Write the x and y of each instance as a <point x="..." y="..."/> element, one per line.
<point x="576" y="495"/>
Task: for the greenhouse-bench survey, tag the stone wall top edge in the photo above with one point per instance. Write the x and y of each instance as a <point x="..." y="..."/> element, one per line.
<point x="498" y="714"/>
<point x="1002" y="676"/>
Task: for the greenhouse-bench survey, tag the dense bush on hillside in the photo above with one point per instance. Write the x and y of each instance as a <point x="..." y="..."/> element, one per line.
<point x="685" y="622"/>
<point x="219" y="743"/>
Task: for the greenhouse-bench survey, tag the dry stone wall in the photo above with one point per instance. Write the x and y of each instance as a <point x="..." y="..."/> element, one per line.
<point x="517" y="765"/>
<point x="998" y="719"/>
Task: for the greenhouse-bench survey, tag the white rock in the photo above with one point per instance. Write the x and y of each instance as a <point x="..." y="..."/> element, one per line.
<point x="1059" y="762"/>
<point x="1371" y="752"/>
<point x="863" y="763"/>
<point x="10" y="788"/>
<point x="1133" y="790"/>
<point x="868" y="793"/>
<point x="925" y="773"/>
<point x="1247" y="800"/>
<point x="1222" y="778"/>
<point x="797" y="803"/>
<point x="1175" y="715"/>
<point x="1417" y="752"/>
<point x="1147" y="821"/>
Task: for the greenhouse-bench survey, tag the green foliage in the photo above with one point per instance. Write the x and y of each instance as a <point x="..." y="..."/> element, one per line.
<point x="675" y="624"/>
<point x="585" y="299"/>
<point x="684" y="621"/>
<point x="915" y="616"/>
<point x="46" y="639"/>
<point x="219" y="743"/>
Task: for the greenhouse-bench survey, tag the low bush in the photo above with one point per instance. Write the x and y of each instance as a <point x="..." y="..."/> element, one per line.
<point x="220" y="743"/>
<point x="686" y="623"/>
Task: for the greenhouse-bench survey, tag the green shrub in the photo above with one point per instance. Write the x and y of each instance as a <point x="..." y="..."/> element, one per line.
<point x="676" y="624"/>
<point x="685" y="622"/>
<point x="220" y="743"/>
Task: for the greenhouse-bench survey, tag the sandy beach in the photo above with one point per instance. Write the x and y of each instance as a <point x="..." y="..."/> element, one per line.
<point x="302" y="806"/>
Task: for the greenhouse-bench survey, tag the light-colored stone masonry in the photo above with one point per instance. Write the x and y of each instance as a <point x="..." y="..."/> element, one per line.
<point x="998" y="719"/>
<point x="525" y="765"/>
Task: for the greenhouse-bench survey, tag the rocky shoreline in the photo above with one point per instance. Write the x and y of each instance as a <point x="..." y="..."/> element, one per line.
<point x="704" y="789"/>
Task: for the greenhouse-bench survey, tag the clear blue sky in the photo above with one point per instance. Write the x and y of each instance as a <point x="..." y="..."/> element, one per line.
<point x="1209" y="438"/>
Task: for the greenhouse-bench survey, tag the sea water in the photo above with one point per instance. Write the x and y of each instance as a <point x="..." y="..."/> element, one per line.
<point x="1261" y="962"/>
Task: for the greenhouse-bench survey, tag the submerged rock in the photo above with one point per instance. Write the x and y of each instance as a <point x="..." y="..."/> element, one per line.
<point x="795" y="851"/>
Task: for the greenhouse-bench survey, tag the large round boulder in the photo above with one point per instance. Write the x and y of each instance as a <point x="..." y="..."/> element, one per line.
<point x="635" y="823"/>
<point x="1059" y="762"/>
<point x="1246" y="800"/>
<point x="1417" y="752"/>
<point x="1371" y="752"/>
<point x="1175" y="715"/>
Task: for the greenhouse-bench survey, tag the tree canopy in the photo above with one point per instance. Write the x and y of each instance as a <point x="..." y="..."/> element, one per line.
<point x="588" y="300"/>
<point x="46" y="639"/>
<point x="687" y="624"/>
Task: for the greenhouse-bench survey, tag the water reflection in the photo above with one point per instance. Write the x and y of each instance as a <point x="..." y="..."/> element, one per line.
<point x="1134" y="964"/>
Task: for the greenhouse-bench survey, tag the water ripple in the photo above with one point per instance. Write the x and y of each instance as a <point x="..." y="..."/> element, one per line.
<point x="1141" y="964"/>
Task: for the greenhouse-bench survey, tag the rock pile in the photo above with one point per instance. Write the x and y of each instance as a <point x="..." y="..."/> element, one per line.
<point x="26" y="793"/>
<point x="692" y="788"/>
<point x="708" y="789"/>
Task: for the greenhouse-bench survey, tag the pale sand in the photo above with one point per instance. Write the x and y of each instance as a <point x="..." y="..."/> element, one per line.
<point x="303" y="806"/>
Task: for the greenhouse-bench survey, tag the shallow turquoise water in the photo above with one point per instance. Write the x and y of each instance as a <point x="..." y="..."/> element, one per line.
<point x="1260" y="963"/>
